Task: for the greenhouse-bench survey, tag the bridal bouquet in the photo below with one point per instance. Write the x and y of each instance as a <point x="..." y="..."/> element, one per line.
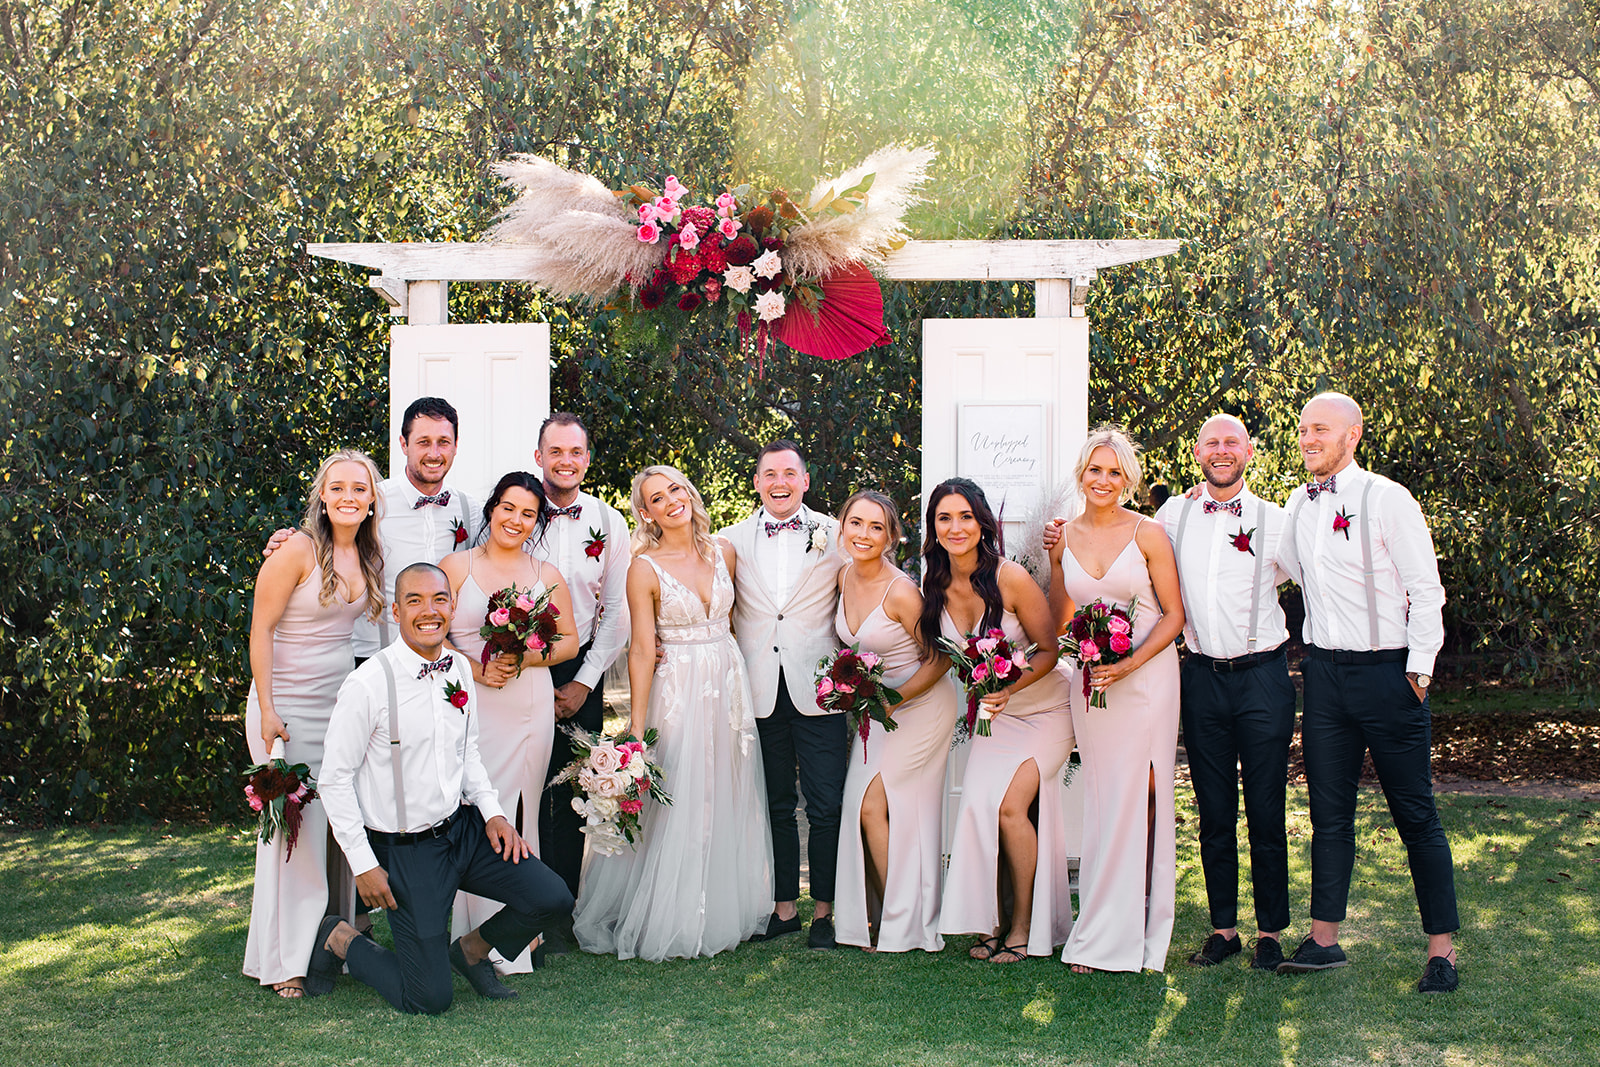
<point x="985" y="663"/>
<point x="518" y="623"/>
<point x="1099" y="633"/>
<point x="610" y="779"/>
<point x="280" y="794"/>
<point x="851" y="681"/>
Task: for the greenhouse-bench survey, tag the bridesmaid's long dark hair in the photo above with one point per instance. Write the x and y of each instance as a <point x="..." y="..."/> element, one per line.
<point x="515" y="480"/>
<point x="936" y="561"/>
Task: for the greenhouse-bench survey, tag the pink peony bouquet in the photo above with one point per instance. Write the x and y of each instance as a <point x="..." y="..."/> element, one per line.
<point x="986" y="663"/>
<point x="611" y="777"/>
<point x="518" y="623"/>
<point x="279" y="793"/>
<point x="1099" y="633"/>
<point x="851" y="681"/>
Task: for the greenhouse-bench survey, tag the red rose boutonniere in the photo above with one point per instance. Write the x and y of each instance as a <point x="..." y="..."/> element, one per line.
<point x="595" y="545"/>
<point x="1241" y="540"/>
<point x="458" y="530"/>
<point x="456" y="695"/>
<point x="1341" y="523"/>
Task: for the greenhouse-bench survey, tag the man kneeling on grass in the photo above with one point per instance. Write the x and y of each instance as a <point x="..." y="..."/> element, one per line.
<point x="412" y="807"/>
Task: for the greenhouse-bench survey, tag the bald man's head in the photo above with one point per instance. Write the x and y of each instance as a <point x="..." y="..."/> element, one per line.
<point x="1330" y="426"/>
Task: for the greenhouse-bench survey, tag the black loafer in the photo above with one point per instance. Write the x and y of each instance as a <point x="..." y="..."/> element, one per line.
<point x="777" y="927"/>
<point x="480" y="976"/>
<point x="1311" y="956"/>
<point x="1439" y="977"/>
<point x="325" y="967"/>
<point x="1268" y="954"/>
<point x="821" y="935"/>
<point x="1216" y="949"/>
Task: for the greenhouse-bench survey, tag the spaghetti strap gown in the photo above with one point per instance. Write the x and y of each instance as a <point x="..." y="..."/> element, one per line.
<point x="311" y="654"/>
<point x="911" y="761"/>
<point x="1137" y="731"/>
<point x="1036" y="725"/>
<point x="700" y="878"/>
<point x="516" y="733"/>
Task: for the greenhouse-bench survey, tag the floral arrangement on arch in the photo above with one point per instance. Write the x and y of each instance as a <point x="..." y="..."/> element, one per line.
<point x="773" y="267"/>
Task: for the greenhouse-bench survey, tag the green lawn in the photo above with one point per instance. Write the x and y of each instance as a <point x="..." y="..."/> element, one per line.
<point x="123" y="946"/>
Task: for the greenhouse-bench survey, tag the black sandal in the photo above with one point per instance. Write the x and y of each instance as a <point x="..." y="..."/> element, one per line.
<point x="1017" y="953"/>
<point x="989" y="945"/>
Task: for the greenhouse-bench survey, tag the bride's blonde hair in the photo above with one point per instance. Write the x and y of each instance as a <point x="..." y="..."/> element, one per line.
<point x="647" y="534"/>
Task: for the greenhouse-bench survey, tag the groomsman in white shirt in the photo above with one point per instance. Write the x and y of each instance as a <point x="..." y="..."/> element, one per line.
<point x="786" y="595"/>
<point x="411" y="805"/>
<point x="1362" y="551"/>
<point x="1237" y="700"/>
<point x="587" y="541"/>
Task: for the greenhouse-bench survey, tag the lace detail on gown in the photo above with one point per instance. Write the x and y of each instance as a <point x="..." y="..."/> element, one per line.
<point x="684" y="622"/>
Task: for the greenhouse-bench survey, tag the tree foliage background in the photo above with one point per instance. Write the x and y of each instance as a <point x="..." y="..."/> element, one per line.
<point x="1393" y="197"/>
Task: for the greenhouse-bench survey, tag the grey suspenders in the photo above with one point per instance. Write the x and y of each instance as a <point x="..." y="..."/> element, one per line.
<point x="1368" y="574"/>
<point x="1255" y="585"/>
<point x="394" y="743"/>
<point x="384" y="636"/>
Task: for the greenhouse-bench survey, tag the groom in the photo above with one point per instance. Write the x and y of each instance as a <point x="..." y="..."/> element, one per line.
<point x="787" y="591"/>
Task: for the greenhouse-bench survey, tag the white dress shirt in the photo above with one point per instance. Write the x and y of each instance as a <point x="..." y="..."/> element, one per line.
<point x="1410" y="597"/>
<point x="781" y="557"/>
<point x="439" y="757"/>
<point x="599" y="585"/>
<point x="1216" y="576"/>
<point x="412" y="535"/>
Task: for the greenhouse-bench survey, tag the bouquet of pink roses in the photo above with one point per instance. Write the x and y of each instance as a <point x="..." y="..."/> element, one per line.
<point x="851" y="681"/>
<point x="518" y="623"/>
<point x="985" y="663"/>
<point x="610" y="779"/>
<point x="1099" y="633"/>
<point x="279" y="793"/>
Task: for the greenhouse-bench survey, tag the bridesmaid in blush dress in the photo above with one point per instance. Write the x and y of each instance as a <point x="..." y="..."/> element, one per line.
<point x="308" y="596"/>
<point x="1008" y="858"/>
<point x="889" y="871"/>
<point x="1128" y="881"/>
<point x="516" y="712"/>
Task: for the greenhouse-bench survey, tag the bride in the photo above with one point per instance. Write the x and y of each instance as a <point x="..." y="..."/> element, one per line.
<point x="700" y="878"/>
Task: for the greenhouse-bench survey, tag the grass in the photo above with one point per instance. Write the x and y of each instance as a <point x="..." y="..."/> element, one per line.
<point x="123" y="946"/>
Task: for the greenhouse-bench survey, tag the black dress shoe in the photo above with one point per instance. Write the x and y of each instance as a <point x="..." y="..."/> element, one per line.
<point x="1268" y="954"/>
<point x="324" y="969"/>
<point x="821" y="935"/>
<point x="1439" y="977"/>
<point x="777" y="927"/>
<point x="1311" y="956"/>
<point x="1216" y="949"/>
<point x="480" y="976"/>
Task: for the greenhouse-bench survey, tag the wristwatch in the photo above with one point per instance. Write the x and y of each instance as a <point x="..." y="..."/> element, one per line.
<point x="1422" y="681"/>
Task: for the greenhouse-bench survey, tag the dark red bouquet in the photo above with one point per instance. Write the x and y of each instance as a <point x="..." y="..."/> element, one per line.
<point x="280" y="793"/>
<point x="1099" y="633"/>
<point x="851" y="681"/>
<point x="518" y="623"/>
<point x="986" y="663"/>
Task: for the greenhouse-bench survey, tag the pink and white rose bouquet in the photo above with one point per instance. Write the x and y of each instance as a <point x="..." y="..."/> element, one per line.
<point x="611" y="778"/>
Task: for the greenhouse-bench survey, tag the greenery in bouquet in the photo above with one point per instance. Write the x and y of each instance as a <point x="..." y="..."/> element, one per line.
<point x="851" y="681"/>
<point x="518" y="622"/>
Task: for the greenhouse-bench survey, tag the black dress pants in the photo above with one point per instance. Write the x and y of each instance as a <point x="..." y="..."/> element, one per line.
<point x="561" y="828"/>
<point x="1237" y="726"/>
<point x="816" y="749"/>
<point x="1351" y="709"/>
<point x="424" y="877"/>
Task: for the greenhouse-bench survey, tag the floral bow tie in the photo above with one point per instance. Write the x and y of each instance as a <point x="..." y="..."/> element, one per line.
<point x="774" y="528"/>
<point x="1314" y="489"/>
<point x="571" y="511"/>
<point x="442" y="499"/>
<point x="1234" y="506"/>
<point x="441" y="664"/>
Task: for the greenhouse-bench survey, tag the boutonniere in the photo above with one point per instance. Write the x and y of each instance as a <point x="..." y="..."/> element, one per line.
<point x="1341" y="523"/>
<point x="1241" y="540"/>
<point x="458" y="531"/>
<point x="456" y="695"/>
<point x="595" y="545"/>
<point x="816" y="537"/>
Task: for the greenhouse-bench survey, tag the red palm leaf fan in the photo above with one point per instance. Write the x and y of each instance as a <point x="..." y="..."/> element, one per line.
<point x="848" y="322"/>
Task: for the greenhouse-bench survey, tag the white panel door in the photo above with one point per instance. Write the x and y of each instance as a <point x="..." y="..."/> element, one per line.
<point x="1005" y="361"/>
<point x="498" y="377"/>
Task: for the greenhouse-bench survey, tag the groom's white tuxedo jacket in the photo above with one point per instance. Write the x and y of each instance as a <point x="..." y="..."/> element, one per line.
<point x="791" y="636"/>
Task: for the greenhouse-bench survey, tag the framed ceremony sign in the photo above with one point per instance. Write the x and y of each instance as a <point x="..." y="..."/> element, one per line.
<point x="1002" y="448"/>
